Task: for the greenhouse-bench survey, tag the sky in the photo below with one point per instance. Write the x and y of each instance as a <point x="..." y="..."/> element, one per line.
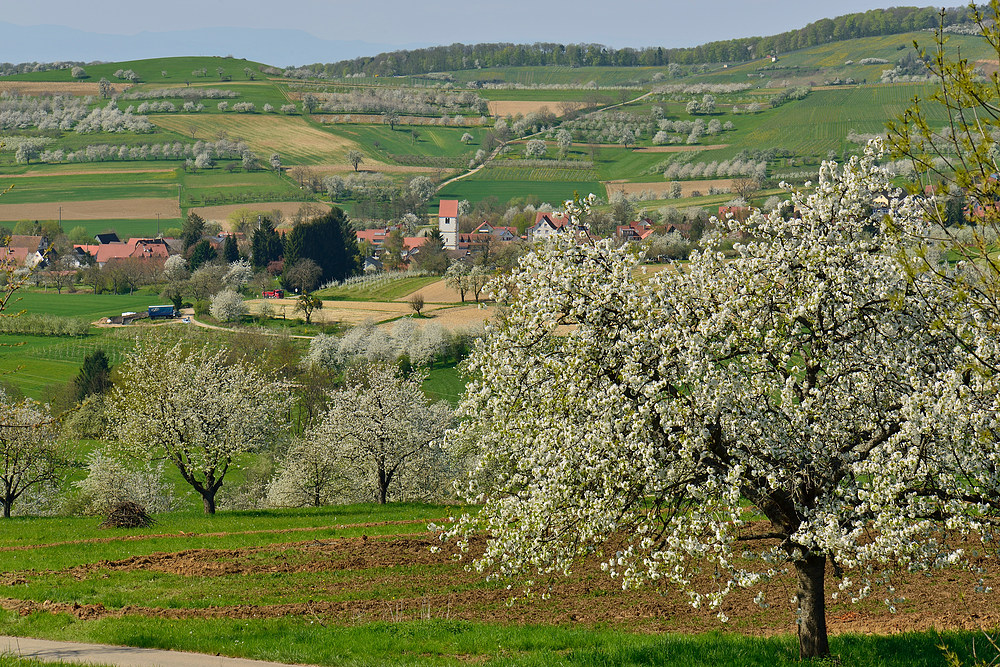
<point x="668" y="23"/>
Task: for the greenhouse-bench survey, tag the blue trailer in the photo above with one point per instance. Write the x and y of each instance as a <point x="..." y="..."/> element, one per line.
<point x="156" y="312"/>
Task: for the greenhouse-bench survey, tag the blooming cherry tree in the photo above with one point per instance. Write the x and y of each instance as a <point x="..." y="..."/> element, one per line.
<point x="652" y="410"/>
<point x="195" y="410"/>
<point x="29" y="453"/>
<point x="383" y="430"/>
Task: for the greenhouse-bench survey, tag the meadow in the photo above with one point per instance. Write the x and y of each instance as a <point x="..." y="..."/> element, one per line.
<point x="127" y="228"/>
<point x="359" y="585"/>
<point x="475" y="189"/>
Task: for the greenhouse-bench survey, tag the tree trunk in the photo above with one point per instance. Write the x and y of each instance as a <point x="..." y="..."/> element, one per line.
<point x="208" y="499"/>
<point x="813" y="641"/>
<point x="6" y="508"/>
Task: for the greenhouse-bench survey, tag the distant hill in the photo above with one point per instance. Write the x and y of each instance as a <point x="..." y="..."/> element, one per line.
<point x="282" y="48"/>
<point x="875" y="22"/>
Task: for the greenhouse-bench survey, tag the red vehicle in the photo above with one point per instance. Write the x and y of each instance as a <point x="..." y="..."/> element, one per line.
<point x="274" y="294"/>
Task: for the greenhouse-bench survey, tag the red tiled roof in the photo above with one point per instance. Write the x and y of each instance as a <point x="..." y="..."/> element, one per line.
<point x="14" y="256"/>
<point x="448" y="208"/>
<point x="133" y="248"/>
<point x="22" y="241"/>
<point x="556" y="218"/>
<point x="374" y="236"/>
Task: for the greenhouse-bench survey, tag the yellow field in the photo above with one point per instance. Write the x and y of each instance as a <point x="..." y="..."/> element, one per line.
<point x="359" y="312"/>
<point x="289" y="136"/>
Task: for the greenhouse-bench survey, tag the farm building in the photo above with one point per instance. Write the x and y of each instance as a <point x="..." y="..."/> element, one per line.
<point x="152" y="249"/>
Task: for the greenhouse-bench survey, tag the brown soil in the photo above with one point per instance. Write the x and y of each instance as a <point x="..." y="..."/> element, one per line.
<point x="358" y="312"/>
<point x="524" y="107"/>
<point x="989" y="67"/>
<point x="663" y="187"/>
<point x="452" y="318"/>
<point x="110" y="209"/>
<point x="33" y="88"/>
<point x="348" y="578"/>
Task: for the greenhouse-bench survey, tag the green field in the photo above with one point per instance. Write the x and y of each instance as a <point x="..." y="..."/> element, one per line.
<point x="821" y="121"/>
<point x="89" y="187"/>
<point x="37" y="364"/>
<point x="178" y="70"/>
<point x="476" y="189"/>
<point x="217" y="186"/>
<point x="577" y="76"/>
<point x="432" y="141"/>
<point x="125" y="229"/>
<point x="409" y="607"/>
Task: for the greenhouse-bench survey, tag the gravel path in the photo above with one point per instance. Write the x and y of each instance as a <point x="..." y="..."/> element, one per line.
<point x="119" y="656"/>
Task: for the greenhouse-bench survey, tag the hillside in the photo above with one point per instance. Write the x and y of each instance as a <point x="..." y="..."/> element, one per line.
<point x="218" y="134"/>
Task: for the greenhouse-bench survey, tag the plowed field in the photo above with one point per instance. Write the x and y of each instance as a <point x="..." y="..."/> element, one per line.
<point x="357" y="579"/>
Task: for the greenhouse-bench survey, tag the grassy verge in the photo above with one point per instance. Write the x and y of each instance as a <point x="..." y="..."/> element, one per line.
<point x="452" y="642"/>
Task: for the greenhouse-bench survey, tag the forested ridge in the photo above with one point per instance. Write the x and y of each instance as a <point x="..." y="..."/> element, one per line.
<point x="893" y="20"/>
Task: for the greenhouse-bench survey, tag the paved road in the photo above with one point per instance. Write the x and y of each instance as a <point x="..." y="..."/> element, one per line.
<point x="120" y="656"/>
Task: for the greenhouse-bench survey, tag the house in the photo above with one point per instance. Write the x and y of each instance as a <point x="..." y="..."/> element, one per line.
<point x="376" y="236"/>
<point x="546" y="225"/>
<point x="682" y="228"/>
<point x="880" y="204"/>
<point x="634" y="231"/>
<point x="110" y="237"/>
<point x="484" y="234"/>
<point x="151" y="249"/>
<point x="411" y="246"/>
<point x="448" y="223"/>
<point x="26" y="251"/>
<point x="371" y="265"/>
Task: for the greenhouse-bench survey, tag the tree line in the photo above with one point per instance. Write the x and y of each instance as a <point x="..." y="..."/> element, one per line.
<point x="891" y="21"/>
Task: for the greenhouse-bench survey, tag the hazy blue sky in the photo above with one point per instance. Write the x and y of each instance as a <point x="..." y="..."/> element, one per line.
<point x="616" y="23"/>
